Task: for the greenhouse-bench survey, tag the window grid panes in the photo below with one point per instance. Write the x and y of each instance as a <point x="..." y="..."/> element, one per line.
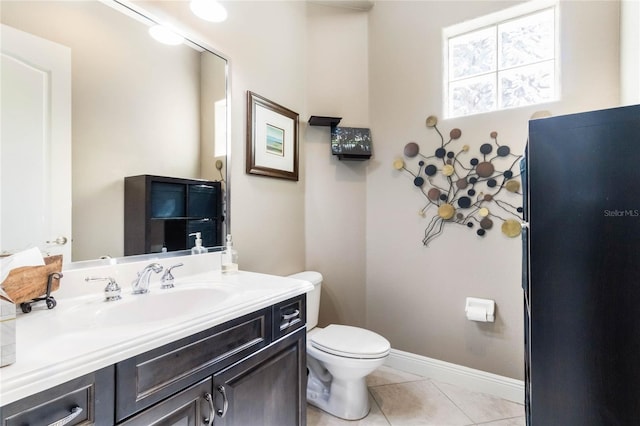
<point x="505" y="65"/>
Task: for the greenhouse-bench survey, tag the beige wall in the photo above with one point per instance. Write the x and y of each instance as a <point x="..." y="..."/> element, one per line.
<point x="416" y="295"/>
<point x="265" y="42"/>
<point x="335" y="191"/>
<point x="630" y="52"/>
<point x="266" y="45"/>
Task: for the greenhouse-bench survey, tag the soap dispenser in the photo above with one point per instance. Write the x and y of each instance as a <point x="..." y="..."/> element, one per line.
<point x="198" y="249"/>
<point x="229" y="258"/>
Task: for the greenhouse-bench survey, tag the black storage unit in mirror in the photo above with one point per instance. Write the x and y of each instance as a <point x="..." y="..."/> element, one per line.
<point x="160" y="212"/>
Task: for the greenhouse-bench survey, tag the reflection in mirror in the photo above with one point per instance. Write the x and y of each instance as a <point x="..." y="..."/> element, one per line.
<point x="137" y="107"/>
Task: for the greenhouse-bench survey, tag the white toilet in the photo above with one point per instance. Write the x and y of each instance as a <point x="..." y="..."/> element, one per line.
<point x="339" y="358"/>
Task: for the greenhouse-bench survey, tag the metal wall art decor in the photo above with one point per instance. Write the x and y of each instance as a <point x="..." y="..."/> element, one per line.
<point x="462" y="190"/>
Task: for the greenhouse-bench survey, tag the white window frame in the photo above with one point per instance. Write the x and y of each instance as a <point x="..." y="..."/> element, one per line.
<point x="493" y="20"/>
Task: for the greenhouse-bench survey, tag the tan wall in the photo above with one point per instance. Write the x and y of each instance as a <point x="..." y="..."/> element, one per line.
<point x="265" y="42"/>
<point x="416" y="295"/>
<point x="630" y="52"/>
<point x="335" y="191"/>
<point x="268" y="214"/>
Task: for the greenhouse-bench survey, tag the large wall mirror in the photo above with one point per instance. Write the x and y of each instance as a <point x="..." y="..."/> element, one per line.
<point x="137" y="107"/>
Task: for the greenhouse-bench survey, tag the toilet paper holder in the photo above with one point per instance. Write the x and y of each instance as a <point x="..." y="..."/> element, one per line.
<point x="482" y="310"/>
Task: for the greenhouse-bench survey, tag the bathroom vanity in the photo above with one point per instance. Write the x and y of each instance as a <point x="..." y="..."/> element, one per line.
<point x="241" y="362"/>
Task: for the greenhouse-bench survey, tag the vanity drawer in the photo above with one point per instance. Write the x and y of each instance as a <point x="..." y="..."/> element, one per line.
<point x="87" y="400"/>
<point x="289" y="315"/>
<point x="154" y="375"/>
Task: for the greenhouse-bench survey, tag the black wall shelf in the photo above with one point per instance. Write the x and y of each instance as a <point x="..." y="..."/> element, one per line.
<point x="315" y="120"/>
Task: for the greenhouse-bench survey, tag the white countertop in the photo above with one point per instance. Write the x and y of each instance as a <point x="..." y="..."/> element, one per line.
<point x="54" y="346"/>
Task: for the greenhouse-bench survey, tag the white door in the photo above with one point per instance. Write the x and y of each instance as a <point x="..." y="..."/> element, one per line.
<point x="35" y="144"/>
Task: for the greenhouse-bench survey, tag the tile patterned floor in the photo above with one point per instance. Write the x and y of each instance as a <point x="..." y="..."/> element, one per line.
<point x="403" y="399"/>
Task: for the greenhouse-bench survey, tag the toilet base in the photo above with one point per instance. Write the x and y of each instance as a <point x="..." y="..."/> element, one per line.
<point x="347" y="399"/>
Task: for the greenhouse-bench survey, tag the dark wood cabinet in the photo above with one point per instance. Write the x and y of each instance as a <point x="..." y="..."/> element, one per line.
<point x="268" y="389"/>
<point x="152" y="376"/>
<point x="252" y="371"/>
<point x="160" y="212"/>
<point x="247" y="371"/>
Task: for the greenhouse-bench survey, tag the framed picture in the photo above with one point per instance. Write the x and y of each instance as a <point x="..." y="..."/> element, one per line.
<point x="272" y="139"/>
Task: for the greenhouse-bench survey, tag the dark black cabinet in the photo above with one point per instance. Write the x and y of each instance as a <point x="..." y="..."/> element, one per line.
<point x="239" y="373"/>
<point x="266" y="389"/>
<point x="248" y="371"/>
<point x="152" y="376"/>
<point x="582" y="263"/>
<point x="160" y="212"/>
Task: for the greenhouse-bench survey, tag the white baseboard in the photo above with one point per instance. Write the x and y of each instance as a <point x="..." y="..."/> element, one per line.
<point x="469" y="378"/>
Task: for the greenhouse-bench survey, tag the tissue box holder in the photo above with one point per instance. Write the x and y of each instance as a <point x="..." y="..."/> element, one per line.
<point x="24" y="285"/>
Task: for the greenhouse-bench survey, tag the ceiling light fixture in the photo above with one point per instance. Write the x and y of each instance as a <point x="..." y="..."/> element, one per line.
<point x="209" y="10"/>
<point x="165" y="35"/>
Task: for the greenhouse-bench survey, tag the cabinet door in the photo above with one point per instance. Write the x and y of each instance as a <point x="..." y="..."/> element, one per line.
<point x="267" y="389"/>
<point x="190" y="407"/>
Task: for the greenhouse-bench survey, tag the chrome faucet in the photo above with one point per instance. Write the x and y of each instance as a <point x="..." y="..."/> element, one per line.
<point x="141" y="284"/>
<point x="167" y="277"/>
<point x="111" y="291"/>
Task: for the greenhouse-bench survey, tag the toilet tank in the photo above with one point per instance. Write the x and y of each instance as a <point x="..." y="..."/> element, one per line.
<point x="313" y="297"/>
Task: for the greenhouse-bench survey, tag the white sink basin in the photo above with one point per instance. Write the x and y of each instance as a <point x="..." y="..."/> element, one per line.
<point x="157" y="306"/>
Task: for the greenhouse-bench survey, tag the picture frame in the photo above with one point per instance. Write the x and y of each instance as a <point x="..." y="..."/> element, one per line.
<point x="272" y="139"/>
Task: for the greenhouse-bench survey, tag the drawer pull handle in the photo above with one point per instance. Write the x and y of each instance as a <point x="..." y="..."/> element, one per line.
<point x="212" y="410"/>
<point x="288" y="319"/>
<point x="225" y="401"/>
<point x="75" y="412"/>
<point x="292" y="315"/>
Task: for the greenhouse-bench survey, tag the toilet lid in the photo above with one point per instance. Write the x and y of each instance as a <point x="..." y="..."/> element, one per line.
<point x="350" y="342"/>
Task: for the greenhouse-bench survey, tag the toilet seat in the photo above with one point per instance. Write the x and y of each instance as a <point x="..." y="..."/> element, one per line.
<point x="350" y="342"/>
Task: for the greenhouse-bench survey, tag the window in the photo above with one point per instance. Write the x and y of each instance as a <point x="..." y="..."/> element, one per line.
<point x="508" y="63"/>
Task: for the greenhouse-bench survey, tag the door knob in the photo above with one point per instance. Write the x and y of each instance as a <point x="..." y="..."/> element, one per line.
<point x="59" y="241"/>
